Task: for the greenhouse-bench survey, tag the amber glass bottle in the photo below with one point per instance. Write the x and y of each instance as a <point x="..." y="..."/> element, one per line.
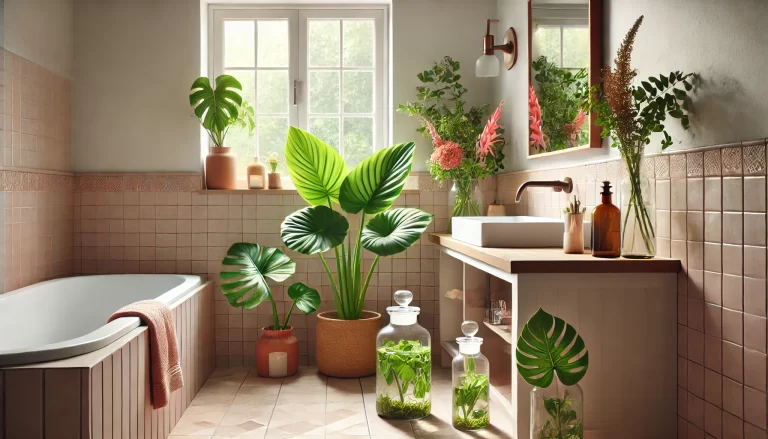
<point x="606" y="227"/>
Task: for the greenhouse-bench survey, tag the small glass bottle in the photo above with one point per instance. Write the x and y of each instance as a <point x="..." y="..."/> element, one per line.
<point x="403" y="363"/>
<point x="257" y="175"/>
<point x="606" y="227"/>
<point x="470" y="372"/>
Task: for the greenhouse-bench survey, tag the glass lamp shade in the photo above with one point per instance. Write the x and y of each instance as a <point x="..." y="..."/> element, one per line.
<point x="487" y="66"/>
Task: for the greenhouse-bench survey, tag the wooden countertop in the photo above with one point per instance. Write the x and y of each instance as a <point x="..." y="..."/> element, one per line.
<point x="553" y="260"/>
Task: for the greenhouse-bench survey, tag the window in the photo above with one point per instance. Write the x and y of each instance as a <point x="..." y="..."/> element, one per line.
<point x="321" y="70"/>
<point x="566" y="45"/>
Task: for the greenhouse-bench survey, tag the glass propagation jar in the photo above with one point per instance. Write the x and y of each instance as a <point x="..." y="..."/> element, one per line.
<point x="403" y="363"/>
<point x="469" y="372"/>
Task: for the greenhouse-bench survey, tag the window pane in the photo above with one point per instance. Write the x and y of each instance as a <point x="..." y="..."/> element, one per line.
<point x="274" y="43"/>
<point x="326" y="129"/>
<point x="358" y="139"/>
<point x="239" y="43"/>
<point x="273" y="91"/>
<point x="575" y="47"/>
<point x="324" y="43"/>
<point x="243" y="147"/>
<point x="272" y="132"/>
<point x="358" y="92"/>
<point x="247" y="80"/>
<point x="358" y="43"/>
<point x="546" y="42"/>
<point x="323" y="92"/>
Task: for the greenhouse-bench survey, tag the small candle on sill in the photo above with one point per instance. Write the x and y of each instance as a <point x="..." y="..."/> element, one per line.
<point x="278" y="364"/>
<point x="257" y="174"/>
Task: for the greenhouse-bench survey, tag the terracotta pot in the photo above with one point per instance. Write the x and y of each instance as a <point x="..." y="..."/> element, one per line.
<point x="277" y="353"/>
<point x="220" y="169"/>
<point x="274" y="180"/>
<point x="347" y="348"/>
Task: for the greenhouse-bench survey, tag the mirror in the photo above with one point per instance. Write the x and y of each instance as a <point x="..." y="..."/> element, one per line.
<point x="564" y="52"/>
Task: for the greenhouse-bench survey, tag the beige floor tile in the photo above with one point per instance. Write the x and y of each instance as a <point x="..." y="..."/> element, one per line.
<point x="244" y="422"/>
<point x="198" y="424"/>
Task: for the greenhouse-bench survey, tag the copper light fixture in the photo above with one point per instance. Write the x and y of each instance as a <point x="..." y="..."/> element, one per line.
<point x="488" y="65"/>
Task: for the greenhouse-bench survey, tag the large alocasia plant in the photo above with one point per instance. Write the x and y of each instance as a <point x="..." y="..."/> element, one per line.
<point x="370" y="189"/>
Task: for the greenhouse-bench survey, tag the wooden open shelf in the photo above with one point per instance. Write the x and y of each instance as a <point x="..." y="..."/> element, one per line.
<point x="503" y="331"/>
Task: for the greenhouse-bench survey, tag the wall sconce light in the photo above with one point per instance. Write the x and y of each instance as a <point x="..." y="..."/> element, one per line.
<point x="488" y="65"/>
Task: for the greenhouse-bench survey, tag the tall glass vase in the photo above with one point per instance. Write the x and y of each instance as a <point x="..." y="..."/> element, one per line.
<point x="465" y="198"/>
<point x="638" y="214"/>
<point x="557" y="412"/>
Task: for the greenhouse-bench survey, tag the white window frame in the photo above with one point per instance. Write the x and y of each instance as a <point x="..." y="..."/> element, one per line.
<point x="297" y="16"/>
<point x="561" y="27"/>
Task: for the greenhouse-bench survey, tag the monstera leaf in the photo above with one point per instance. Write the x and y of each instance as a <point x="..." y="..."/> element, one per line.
<point x="316" y="169"/>
<point x="377" y="181"/>
<point x="394" y="231"/>
<point x="307" y="300"/>
<point x="549" y="346"/>
<point x="244" y="270"/>
<point x="216" y="108"/>
<point x="314" y="230"/>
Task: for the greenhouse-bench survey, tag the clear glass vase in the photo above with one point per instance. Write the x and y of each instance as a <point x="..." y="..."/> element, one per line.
<point x="557" y="412"/>
<point x="403" y="363"/>
<point x="466" y="198"/>
<point x="638" y="214"/>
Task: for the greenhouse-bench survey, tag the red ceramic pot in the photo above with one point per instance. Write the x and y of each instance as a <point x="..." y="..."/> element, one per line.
<point x="277" y="353"/>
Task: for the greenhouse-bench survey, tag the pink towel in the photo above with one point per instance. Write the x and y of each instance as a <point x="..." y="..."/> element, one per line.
<point x="165" y="375"/>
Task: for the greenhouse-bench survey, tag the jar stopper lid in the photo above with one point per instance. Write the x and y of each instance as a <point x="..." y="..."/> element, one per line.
<point x="469" y="328"/>
<point x="403" y="298"/>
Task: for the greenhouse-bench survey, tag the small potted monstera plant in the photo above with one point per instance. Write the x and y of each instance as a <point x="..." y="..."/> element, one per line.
<point x="346" y="337"/>
<point x="218" y="110"/>
<point x="553" y="358"/>
<point x="244" y="274"/>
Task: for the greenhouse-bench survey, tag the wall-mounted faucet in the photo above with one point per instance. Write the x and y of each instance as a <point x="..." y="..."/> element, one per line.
<point x="558" y="186"/>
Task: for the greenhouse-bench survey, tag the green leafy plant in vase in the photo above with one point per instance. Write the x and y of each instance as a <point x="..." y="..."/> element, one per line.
<point x="471" y="399"/>
<point x="553" y="358"/>
<point x="369" y="190"/>
<point x="218" y="110"/>
<point x="466" y="149"/>
<point x="408" y="365"/>
<point x="244" y="274"/>
<point x="630" y="114"/>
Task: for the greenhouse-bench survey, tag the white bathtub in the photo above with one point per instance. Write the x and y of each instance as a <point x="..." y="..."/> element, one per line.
<point x="63" y="318"/>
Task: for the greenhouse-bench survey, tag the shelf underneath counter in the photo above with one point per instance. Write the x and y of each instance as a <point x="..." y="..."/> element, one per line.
<point x="503" y="331"/>
<point x="553" y="260"/>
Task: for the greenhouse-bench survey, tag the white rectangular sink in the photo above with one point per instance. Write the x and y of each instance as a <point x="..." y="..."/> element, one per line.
<point x="511" y="231"/>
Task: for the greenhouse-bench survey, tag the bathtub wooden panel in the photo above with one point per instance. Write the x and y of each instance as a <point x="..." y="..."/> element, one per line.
<point x="97" y="396"/>
<point x="62" y="416"/>
<point x="24" y="403"/>
<point x="134" y="385"/>
<point x="2" y="405"/>
<point x="106" y="394"/>
<point x="106" y="401"/>
<point x="85" y="403"/>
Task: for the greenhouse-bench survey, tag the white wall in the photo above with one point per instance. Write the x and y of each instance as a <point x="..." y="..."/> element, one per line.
<point x="425" y="31"/>
<point x="135" y="60"/>
<point x="723" y="41"/>
<point x="134" y="63"/>
<point x="40" y="31"/>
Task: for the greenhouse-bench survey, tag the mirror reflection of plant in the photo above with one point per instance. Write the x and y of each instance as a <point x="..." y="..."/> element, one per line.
<point x="472" y="389"/>
<point x="561" y="94"/>
<point x="405" y="364"/>
<point x="440" y="103"/>
<point x="221" y="108"/>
